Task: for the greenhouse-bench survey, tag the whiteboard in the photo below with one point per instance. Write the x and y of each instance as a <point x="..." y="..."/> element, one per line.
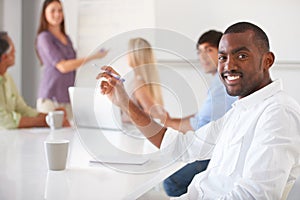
<point x="101" y="20"/>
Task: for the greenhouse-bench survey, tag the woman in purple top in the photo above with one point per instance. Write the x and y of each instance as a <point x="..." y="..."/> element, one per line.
<point x="55" y="51"/>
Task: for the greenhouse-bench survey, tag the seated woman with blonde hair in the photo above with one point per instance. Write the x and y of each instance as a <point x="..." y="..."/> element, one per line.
<point x="145" y="87"/>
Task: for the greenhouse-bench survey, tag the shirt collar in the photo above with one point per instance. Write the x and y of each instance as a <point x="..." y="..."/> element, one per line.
<point x="2" y="78"/>
<point x="259" y="96"/>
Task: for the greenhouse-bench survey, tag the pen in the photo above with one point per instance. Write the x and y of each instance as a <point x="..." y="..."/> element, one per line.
<point x="112" y="74"/>
<point x="115" y="76"/>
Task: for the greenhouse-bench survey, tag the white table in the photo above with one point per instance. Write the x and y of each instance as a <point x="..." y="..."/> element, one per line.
<point x="24" y="174"/>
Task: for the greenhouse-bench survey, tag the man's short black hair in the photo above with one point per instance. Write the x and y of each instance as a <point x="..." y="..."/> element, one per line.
<point x="3" y="34"/>
<point x="260" y="36"/>
<point x="3" y="47"/>
<point x="212" y="37"/>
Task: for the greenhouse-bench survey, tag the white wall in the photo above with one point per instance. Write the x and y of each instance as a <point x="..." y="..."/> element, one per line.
<point x="190" y="17"/>
<point x="279" y="19"/>
<point x="289" y="74"/>
<point x="1" y="14"/>
<point x="11" y="16"/>
<point x="71" y="19"/>
<point x="31" y="69"/>
<point x="20" y="21"/>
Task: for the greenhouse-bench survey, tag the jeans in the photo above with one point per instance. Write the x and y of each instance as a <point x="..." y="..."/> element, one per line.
<point x="177" y="184"/>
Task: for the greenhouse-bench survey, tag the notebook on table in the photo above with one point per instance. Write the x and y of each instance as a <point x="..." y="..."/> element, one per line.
<point x="127" y="160"/>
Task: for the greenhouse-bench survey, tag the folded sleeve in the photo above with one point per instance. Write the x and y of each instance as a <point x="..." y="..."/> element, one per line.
<point x="9" y="120"/>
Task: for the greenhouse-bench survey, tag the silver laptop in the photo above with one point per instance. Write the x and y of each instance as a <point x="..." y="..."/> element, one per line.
<point x="91" y="109"/>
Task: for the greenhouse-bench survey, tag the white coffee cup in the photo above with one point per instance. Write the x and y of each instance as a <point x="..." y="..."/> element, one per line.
<point x="56" y="153"/>
<point x="55" y="119"/>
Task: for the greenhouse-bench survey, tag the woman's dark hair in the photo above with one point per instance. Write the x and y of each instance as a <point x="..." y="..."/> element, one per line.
<point x="43" y="26"/>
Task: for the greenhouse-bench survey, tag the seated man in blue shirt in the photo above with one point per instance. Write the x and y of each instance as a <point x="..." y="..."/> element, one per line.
<point x="217" y="103"/>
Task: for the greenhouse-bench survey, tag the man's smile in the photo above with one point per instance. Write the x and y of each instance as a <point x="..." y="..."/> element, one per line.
<point x="232" y="77"/>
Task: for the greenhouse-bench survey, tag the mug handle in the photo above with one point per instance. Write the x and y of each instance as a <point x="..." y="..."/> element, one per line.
<point x="49" y="121"/>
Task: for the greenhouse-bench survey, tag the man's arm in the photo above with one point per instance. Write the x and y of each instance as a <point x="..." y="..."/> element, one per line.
<point x="11" y="120"/>
<point x="38" y="121"/>
<point x="152" y="130"/>
<point x="181" y="124"/>
<point x="114" y="89"/>
<point x="28" y="117"/>
<point x="147" y="101"/>
<point x="13" y="108"/>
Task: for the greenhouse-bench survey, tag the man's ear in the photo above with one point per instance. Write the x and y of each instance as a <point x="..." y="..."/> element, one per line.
<point x="269" y="59"/>
<point x="4" y="57"/>
<point x="1" y="58"/>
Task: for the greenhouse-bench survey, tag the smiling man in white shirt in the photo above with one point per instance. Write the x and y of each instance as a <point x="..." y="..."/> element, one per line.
<point x="255" y="147"/>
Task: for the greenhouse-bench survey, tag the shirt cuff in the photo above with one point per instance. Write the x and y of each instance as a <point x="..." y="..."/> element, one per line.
<point x="32" y="113"/>
<point x="193" y="122"/>
<point x="17" y="118"/>
<point x="169" y="137"/>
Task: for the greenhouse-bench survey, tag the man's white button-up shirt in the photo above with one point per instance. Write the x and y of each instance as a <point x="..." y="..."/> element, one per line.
<point x="254" y="148"/>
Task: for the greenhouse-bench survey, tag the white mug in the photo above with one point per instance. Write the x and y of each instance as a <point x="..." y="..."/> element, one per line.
<point x="56" y="153"/>
<point x="55" y="119"/>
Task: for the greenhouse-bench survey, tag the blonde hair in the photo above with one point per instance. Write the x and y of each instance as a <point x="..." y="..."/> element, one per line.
<point x="141" y="57"/>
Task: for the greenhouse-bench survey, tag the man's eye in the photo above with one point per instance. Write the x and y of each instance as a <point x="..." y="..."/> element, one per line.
<point x="209" y="50"/>
<point x="242" y="56"/>
<point x="222" y="58"/>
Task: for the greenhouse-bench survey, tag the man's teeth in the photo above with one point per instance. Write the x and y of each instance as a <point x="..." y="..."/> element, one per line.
<point x="231" y="78"/>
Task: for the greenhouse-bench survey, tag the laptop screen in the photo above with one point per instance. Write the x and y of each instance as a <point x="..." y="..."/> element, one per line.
<point x="94" y="110"/>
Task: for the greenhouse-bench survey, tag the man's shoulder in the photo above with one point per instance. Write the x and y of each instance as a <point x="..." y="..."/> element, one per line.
<point x="282" y="100"/>
<point x="10" y="83"/>
<point x="8" y="77"/>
